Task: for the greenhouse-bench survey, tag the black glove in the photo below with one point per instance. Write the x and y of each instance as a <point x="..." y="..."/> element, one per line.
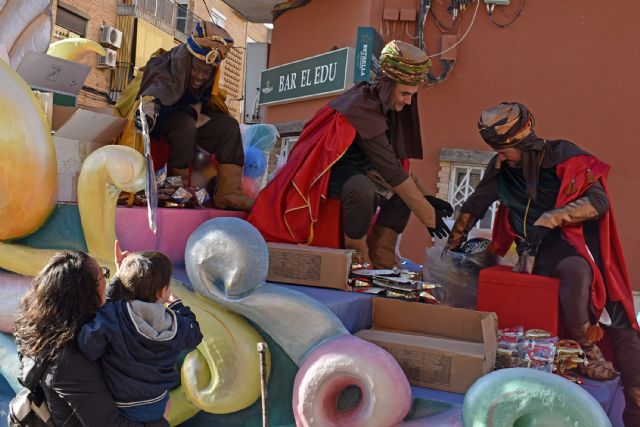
<point x="138" y="123"/>
<point x="440" y="230"/>
<point x="445" y="208"/>
<point x="150" y="110"/>
<point x="535" y="235"/>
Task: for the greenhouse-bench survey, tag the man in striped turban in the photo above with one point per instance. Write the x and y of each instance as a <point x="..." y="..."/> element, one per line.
<point x="185" y="108"/>
<point x="357" y="149"/>
<point x="555" y="205"/>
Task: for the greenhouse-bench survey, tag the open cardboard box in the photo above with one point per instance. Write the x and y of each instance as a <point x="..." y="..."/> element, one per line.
<point x="436" y="346"/>
<point x="309" y="265"/>
<point x="77" y="133"/>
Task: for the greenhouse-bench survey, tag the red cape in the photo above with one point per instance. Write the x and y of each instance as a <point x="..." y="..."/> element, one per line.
<point x="287" y="208"/>
<point x="576" y="175"/>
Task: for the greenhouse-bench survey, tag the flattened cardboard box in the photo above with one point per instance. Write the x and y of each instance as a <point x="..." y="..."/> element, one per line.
<point x="436" y="346"/>
<point x="309" y="265"/>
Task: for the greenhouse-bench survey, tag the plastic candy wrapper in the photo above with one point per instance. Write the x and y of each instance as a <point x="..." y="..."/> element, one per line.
<point x="202" y="196"/>
<point x="182" y="195"/>
<point x="161" y="176"/>
<point x="394" y="283"/>
<point x="538" y="349"/>
<point x="569" y="356"/>
<point x="457" y="272"/>
<point x="534" y="348"/>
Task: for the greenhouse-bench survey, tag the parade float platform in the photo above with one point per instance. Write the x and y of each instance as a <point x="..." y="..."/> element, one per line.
<point x="354" y="309"/>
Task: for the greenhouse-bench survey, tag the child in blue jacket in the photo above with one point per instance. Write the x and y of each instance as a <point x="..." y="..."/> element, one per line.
<point x="137" y="339"/>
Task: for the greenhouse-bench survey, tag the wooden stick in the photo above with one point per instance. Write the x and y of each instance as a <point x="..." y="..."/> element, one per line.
<point x="262" y="349"/>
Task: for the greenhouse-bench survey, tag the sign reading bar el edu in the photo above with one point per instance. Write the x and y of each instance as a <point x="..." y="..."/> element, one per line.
<point x="321" y="75"/>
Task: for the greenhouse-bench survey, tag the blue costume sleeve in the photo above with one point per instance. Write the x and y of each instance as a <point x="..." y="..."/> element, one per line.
<point x="189" y="335"/>
<point x="94" y="336"/>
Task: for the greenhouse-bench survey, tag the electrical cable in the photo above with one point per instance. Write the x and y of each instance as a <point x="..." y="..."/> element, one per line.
<point x="513" y="17"/>
<point x="475" y="12"/>
<point x="442" y="27"/>
<point x="447" y="67"/>
<point x="425" y="5"/>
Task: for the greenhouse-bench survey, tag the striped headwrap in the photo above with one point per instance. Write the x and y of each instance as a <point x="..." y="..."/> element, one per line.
<point x="205" y="41"/>
<point x="404" y="63"/>
<point x="506" y="125"/>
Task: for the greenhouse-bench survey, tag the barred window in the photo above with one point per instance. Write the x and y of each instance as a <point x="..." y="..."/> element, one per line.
<point x="463" y="181"/>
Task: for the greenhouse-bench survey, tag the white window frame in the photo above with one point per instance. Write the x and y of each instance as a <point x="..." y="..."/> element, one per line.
<point x="467" y="190"/>
<point x="218" y="18"/>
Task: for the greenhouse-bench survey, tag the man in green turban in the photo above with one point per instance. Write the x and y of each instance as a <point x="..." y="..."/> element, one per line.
<point x="357" y="149"/>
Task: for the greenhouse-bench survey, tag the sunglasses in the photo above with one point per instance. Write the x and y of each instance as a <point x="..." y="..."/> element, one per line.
<point x="106" y="273"/>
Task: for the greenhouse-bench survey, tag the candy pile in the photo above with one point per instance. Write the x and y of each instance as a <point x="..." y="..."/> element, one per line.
<point x="538" y="349"/>
<point x="172" y="193"/>
<point x="394" y="283"/>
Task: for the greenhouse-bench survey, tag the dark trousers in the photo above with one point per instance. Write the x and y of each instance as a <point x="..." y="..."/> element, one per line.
<point x="219" y="136"/>
<point x="360" y="200"/>
<point x="575" y="277"/>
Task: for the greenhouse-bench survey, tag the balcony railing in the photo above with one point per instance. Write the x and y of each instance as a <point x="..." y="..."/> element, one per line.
<point x="169" y="16"/>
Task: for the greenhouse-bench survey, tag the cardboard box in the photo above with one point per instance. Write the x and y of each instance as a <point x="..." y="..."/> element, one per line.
<point x="77" y="133"/>
<point x="309" y="265"/>
<point x="50" y="74"/>
<point x="438" y="347"/>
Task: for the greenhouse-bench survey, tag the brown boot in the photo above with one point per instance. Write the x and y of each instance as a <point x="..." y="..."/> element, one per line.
<point x="382" y="247"/>
<point x="626" y="346"/>
<point x="229" y="195"/>
<point x="359" y="245"/>
<point x="597" y="367"/>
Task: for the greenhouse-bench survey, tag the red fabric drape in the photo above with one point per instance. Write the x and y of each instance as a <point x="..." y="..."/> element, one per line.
<point x="286" y="210"/>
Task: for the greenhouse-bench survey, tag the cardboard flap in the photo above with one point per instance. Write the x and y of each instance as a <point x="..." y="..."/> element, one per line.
<point x="490" y="338"/>
<point x="427" y="319"/>
<point x="51" y="74"/>
<point x="86" y="125"/>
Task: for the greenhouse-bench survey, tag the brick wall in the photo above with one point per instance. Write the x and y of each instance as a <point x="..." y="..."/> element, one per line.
<point x="97" y="12"/>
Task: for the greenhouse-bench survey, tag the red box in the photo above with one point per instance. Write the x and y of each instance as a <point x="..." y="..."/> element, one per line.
<point x="520" y="299"/>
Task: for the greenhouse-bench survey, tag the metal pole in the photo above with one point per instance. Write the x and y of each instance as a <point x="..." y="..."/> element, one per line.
<point x="262" y="349"/>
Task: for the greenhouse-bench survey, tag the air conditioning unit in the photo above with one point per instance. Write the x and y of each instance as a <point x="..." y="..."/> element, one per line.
<point x="110" y="36"/>
<point x="108" y="60"/>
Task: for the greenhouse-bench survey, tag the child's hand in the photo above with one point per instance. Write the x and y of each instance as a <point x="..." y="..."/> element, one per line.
<point x="119" y="254"/>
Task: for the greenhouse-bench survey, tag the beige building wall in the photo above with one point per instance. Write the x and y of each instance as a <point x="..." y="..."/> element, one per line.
<point x="97" y="12"/>
<point x="233" y="66"/>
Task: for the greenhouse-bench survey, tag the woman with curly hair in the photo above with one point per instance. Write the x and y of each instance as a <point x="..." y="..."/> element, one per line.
<point x="66" y="294"/>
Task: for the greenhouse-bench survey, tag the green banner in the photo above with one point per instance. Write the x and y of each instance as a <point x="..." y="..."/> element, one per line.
<point x="313" y="77"/>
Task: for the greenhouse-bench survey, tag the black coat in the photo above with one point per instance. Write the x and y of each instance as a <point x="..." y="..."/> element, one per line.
<point x="77" y="394"/>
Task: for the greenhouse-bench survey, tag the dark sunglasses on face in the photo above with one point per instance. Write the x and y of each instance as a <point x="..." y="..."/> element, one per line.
<point x="105" y="272"/>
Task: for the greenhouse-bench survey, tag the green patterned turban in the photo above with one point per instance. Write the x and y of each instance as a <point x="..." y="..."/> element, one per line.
<point x="404" y="63"/>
